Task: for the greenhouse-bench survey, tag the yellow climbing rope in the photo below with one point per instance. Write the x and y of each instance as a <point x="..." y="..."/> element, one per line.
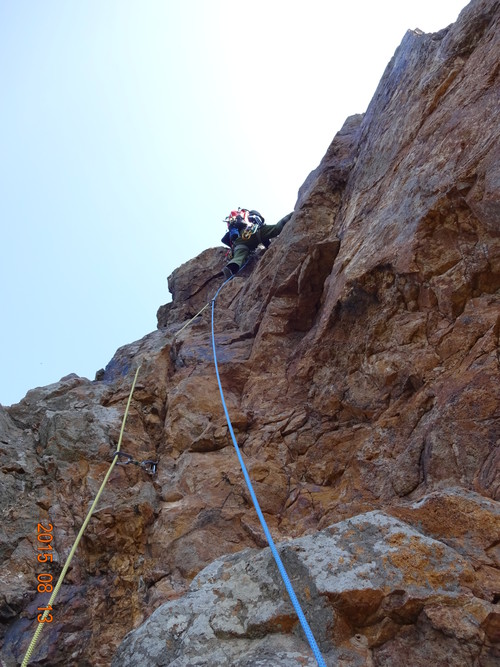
<point x="39" y="629"/>
<point x="192" y="319"/>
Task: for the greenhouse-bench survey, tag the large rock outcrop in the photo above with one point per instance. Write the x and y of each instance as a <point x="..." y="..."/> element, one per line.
<point x="359" y="357"/>
<point x="410" y="587"/>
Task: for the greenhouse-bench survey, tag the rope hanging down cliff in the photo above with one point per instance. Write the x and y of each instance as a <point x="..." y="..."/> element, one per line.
<point x="274" y="551"/>
<point x="116" y="455"/>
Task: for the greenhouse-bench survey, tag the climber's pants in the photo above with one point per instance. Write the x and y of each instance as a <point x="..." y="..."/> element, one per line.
<point x="240" y="254"/>
<point x="265" y="233"/>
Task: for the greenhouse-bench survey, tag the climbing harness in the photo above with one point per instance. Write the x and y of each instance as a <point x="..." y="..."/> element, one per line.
<point x="116" y="455"/>
<point x="267" y="532"/>
<point x="149" y="466"/>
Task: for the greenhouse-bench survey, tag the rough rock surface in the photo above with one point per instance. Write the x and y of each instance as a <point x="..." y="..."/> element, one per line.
<point x="359" y="357"/>
<point x="370" y="567"/>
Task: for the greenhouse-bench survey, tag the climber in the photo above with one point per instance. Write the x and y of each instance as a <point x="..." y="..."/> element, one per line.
<point x="245" y="231"/>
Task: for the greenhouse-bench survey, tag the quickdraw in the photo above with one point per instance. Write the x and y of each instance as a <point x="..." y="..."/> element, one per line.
<point x="248" y="232"/>
<point x="148" y="465"/>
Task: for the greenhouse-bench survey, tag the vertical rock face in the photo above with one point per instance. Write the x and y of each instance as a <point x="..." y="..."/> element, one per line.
<point x="359" y="357"/>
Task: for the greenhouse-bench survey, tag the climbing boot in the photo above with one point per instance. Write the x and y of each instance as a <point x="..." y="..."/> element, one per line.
<point x="230" y="270"/>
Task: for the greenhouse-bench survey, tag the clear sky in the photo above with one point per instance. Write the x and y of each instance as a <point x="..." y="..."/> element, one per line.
<point x="130" y="128"/>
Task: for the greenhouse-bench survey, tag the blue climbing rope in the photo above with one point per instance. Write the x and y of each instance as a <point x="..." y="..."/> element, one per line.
<point x="274" y="551"/>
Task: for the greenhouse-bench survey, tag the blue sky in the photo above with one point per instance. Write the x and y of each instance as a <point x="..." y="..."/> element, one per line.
<point x="130" y="128"/>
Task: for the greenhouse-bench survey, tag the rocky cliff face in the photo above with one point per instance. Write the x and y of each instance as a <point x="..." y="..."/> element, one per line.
<point x="359" y="357"/>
